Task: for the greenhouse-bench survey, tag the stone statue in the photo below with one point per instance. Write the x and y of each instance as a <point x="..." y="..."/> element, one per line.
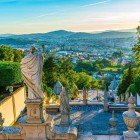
<point x="64" y="101"/>
<point x="64" y="108"/>
<point x="31" y="68"/>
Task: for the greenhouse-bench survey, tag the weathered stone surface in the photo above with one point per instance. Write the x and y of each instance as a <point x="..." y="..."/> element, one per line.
<point x="64" y="132"/>
<point x="34" y="131"/>
<point x="130" y="137"/>
<point x="99" y="137"/>
<point x="34" y="111"/>
<point x="131" y="120"/>
<point x="64" y="107"/>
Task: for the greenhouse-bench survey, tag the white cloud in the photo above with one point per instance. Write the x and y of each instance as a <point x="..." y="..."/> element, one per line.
<point x="97" y="3"/>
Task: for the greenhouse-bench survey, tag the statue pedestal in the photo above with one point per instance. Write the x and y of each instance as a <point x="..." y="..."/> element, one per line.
<point x="65" y="119"/>
<point x="128" y="136"/>
<point x="34" y="111"/>
<point x="34" y="131"/>
<point x="35" y="127"/>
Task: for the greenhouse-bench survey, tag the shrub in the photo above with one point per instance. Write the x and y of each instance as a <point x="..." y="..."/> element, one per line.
<point x="10" y="74"/>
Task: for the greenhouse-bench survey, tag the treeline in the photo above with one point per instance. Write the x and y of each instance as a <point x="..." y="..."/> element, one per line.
<point x="9" y="54"/>
<point x="53" y="70"/>
<point x="10" y="73"/>
<point x="90" y="67"/>
<point x="63" y="70"/>
<point x="130" y="83"/>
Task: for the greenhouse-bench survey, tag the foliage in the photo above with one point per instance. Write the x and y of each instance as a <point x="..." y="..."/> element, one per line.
<point x="117" y="54"/>
<point x="6" y="53"/>
<point x="63" y="70"/>
<point x="18" y="55"/>
<point x="49" y="70"/>
<point x="126" y="81"/>
<point x="9" y="54"/>
<point x="136" y="48"/>
<point x="83" y="80"/>
<point x="90" y="67"/>
<point x="135" y="87"/>
<point x="10" y="73"/>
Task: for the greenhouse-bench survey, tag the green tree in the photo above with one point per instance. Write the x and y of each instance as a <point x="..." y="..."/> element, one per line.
<point x="49" y="70"/>
<point x="83" y="80"/>
<point x="126" y="81"/>
<point x="135" y="87"/>
<point x="6" y="53"/>
<point x="10" y="74"/>
<point x="18" y="55"/>
<point x="136" y="48"/>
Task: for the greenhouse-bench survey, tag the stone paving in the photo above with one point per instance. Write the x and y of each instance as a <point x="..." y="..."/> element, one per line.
<point x="92" y="121"/>
<point x="99" y="137"/>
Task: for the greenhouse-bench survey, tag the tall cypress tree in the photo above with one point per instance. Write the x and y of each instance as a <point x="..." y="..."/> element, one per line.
<point x="127" y="80"/>
<point x="49" y="70"/>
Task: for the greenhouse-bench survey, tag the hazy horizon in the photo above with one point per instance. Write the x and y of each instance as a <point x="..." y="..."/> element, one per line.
<point x="94" y="32"/>
<point x="41" y="16"/>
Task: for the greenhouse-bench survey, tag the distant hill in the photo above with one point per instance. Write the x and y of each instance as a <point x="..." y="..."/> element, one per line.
<point x="67" y="34"/>
<point x="61" y="37"/>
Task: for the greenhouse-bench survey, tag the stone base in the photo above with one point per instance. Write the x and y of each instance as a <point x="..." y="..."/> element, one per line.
<point x="113" y="130"/>
<point x="130" y="136"/>
<point x="65" y="120"/>
<point x="34" y="111"/>
<point x="34" y="131"/>
<point x="64" y="133"/>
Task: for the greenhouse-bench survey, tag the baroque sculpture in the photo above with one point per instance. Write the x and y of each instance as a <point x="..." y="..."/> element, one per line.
<point x="64" y="107"/>
<point x="31" y="68"/>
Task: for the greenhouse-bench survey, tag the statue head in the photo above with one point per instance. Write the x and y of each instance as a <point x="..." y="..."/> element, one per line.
<point x="32" y="50"/>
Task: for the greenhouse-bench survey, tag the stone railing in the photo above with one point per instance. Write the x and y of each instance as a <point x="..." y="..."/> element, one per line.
<point x="12" y="106"/>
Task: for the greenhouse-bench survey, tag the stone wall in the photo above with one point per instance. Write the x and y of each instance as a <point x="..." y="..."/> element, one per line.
<point x="11" y="106"/>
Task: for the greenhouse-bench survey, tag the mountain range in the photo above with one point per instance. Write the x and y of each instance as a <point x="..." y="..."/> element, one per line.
<point x="62" y="36"/>
<point x="64" y="33"/>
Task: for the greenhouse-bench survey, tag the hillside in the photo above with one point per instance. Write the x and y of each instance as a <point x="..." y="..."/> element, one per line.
<point x="71" y="39"/>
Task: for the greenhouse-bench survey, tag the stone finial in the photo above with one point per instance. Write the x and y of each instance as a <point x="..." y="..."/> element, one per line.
<point x="131" y="120"/>
<point x="113" y="124"/>
<point x="131" y="105"/>
<point x="1" y="122"/>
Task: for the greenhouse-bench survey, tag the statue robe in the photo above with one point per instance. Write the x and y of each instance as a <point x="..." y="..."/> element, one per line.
<point x="31" y="68"/>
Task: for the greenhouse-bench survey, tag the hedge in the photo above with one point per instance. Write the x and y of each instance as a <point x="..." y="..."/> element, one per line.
<point x="10" y="73"/>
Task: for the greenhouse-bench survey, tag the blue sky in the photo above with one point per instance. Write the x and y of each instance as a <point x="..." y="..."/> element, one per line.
<point x="30" y="16"/>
